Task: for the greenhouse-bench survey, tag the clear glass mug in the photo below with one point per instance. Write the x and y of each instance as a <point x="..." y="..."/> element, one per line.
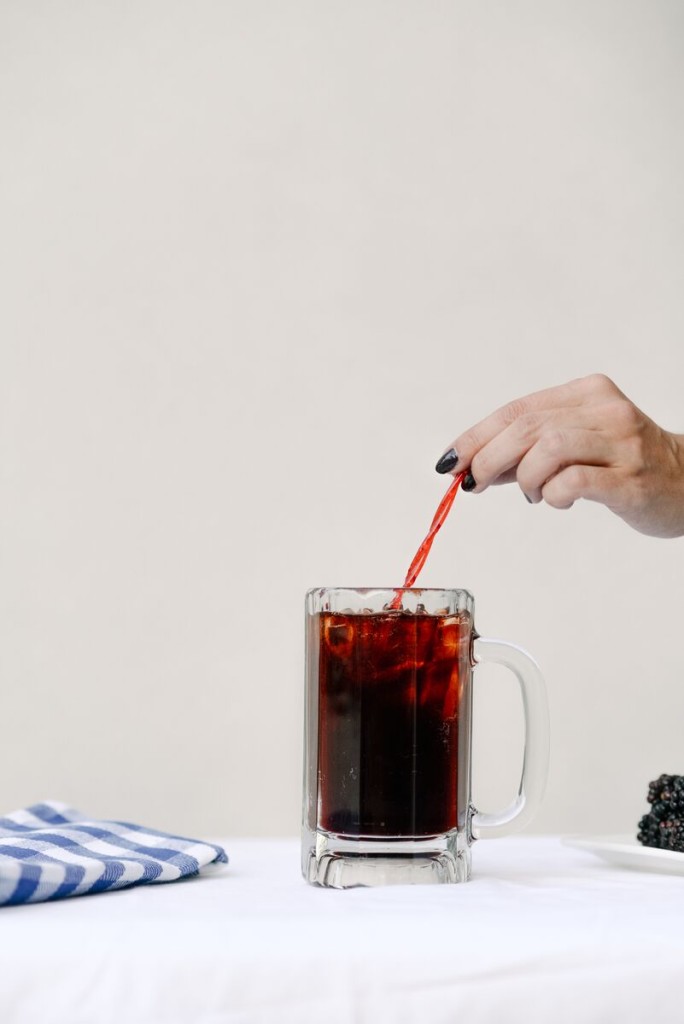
<point x="387" y="746"/>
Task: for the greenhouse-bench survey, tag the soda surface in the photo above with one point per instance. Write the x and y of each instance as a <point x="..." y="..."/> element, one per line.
<point x="390" y="689"/>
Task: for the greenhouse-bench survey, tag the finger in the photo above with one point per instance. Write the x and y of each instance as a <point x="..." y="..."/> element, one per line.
<point x="510" y="447"/>
<point x="554" y="451"/>
<point x="596" y="387"/>
<point x="595" y="483"/>
<point x="509" y="477"/>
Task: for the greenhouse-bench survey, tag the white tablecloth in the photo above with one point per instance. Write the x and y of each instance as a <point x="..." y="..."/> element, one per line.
<point x="542" y="933"/>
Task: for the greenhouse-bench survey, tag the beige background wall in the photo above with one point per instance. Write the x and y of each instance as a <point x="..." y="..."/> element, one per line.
<point x="260" y="263"/>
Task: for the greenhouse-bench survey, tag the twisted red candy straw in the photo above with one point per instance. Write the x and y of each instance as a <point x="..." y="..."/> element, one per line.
<point x="424" y="550"/>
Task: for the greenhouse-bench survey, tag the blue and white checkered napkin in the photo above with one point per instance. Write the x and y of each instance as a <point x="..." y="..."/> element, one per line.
<point x="49" y="851"/>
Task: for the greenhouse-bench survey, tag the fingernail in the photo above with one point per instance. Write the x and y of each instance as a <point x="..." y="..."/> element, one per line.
<point x="527" y="498"/>
<point x="469" y="482"/>
<point x="447" y="461"/>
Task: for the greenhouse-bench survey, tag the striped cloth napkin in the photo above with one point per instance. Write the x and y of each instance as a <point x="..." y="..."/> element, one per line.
<point x="49" y="851"/>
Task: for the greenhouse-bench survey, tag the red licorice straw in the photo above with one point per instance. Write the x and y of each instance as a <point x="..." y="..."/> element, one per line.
<point x="424" y="549"/>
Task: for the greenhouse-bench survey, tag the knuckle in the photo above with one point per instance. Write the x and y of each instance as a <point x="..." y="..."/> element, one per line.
<point x="554" y="442"/>
<point x="557" y="501"/>
<point x="563" y="490"/>
<point x="599" y="384"/>
<point x="557" y="498"/>
<point x="527" y="426"/>
<point x="515" y="410"/>
<point x="576" y="481"/>
<point x="624" y="415"/>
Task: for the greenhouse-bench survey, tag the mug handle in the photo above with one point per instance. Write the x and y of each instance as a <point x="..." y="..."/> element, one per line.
<point x="536" y="750"/>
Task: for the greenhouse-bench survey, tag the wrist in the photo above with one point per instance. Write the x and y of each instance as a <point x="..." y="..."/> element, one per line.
<point x="676" y="446"/>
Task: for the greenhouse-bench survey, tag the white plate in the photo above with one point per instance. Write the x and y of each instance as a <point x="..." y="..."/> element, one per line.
<point x="626" y="852"/>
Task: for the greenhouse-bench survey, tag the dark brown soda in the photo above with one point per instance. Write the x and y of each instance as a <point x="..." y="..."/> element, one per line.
<point x="388" y="719"/>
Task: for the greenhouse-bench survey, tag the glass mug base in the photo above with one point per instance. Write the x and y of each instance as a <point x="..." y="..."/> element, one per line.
<point x="339" y="862"/>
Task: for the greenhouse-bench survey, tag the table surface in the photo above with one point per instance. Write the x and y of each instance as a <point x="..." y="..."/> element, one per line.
<point x="541" y="933"/>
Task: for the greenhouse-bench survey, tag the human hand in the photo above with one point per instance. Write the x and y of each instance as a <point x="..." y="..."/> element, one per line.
<point x="584" y="439"/>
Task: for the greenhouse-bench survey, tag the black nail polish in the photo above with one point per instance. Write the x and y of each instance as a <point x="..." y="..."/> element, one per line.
<point x="447" y="462"/>
<point x="527" y="498"/>
<point x="469" y="482"/>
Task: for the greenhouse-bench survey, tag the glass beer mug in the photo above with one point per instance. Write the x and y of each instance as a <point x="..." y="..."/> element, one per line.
<point x="387" y="747"/>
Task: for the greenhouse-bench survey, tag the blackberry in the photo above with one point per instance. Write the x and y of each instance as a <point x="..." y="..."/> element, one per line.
<point x="661" y="810"/>
<point x="663" y="826"/>
<point x="660" y="788"/>
<point x="649" y="831"/>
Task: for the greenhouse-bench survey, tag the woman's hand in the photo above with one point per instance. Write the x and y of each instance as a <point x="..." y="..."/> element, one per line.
<point x="584" y="439"/>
